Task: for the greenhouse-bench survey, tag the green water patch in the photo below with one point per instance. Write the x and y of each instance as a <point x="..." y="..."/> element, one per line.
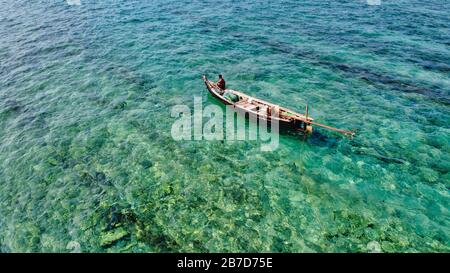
<point x="88" y="163"/>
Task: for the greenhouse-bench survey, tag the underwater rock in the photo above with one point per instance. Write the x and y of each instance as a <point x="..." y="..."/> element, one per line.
<point x="118" y="216"/>
<point x="387" y="246"/>
<point x="374" y="247"/>
<point x="121" y="105"/>
<point x="113" y="236"/>
<point x="146" y="164"/>
<point x="114" y="217"/>
<point x="153" y="136"/>
<point x="100" y="176"/>
<point x="428" y="174"/>
<point x="52" y="161"/>
<point x="373" y="153"/>
<point x="94" y="178"/>
<point x="12" y="106"/>
<point x="74" y="247"/>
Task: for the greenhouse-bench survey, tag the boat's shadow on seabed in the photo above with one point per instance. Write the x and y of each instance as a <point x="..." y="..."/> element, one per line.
<point x="316" y="138"/>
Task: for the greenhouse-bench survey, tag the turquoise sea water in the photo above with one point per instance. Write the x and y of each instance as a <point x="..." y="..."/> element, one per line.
<point x="87" y="162"/>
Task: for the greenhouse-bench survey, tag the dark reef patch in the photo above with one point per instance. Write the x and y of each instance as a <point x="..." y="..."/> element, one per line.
<point x="434" y="93"/>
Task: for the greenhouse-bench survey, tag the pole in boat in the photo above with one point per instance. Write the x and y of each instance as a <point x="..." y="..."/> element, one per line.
<point x="306" y="112"/>
<point x="308" y="125"/>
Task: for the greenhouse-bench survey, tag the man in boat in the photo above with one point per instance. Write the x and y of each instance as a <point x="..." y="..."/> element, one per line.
<point x="221" y="83"/>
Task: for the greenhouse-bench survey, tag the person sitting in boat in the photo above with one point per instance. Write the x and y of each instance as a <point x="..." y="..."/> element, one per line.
<point x="221" y="83"/>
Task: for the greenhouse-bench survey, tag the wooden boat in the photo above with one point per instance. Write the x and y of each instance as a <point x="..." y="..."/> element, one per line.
<point x="264" y="110"/>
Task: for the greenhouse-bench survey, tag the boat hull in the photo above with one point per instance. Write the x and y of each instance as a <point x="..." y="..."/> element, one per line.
<point x="284" y="124"/>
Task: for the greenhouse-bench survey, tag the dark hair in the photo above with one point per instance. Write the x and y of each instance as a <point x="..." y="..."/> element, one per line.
<point x="220" y="75"/>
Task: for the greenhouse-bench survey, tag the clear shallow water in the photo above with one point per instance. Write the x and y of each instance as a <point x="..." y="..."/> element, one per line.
<point x="87" y="162"/>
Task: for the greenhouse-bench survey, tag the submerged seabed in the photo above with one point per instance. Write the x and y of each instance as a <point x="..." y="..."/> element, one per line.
<point x="87" y="162"/>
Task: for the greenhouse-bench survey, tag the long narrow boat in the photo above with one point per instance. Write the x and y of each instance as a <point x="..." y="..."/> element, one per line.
<point x="264" y="110"/>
